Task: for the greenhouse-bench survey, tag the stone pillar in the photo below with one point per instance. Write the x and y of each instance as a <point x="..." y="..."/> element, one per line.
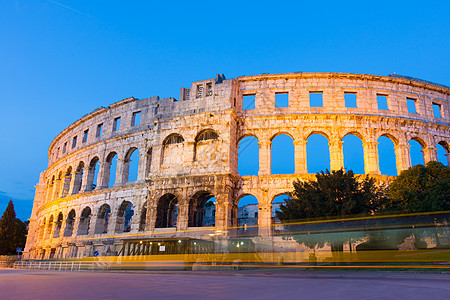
<point x="371" y="162"/>
<point x="66" y="185"/>
<point x="223" y="213"/>
<point x="300" y="157"/>
<point x="85" y="179"/>
<point x="183" y="216"/>
<point x="336" y="155"/>
<point x="265" y="220"/>
<point x="264" y="158"/>
<point x="103" y="175"/>
<point x="112" y="222"/>
<point x="188" y="152"/>
<point x="151" y="215"/>
<point x="141" y="167"/>
<point x="120" y="172"/>
<point x="75" y="183"/>
<point x="429" y="154"/>
<point x="92" y="224"/>
<point x="156" y="162"/>
<point x="402" y="157"/>
<point x="134" y="221"/>
<point x="448" y="159"/>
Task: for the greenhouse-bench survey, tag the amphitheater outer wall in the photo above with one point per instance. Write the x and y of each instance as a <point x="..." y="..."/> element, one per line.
<point x="188" y="152"/>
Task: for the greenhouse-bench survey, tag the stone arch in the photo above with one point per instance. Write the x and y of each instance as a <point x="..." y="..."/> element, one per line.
<point x="125" y="214"/>
<point x="167" y="211"/>
<point x="131" y="165"/>
<point x="317" y="152"/>
<point x="248" y="213"/>
<point x="247" y="135"/>
<point x="392" y="137"/>
<point x="101" y="225"/>
<point x="278" y="133"/>
<point x="92" y="174"/>
<point x="85" y="221"/>
<point x="70" y="223"/>
<point x="282" y="154"/>
<point x="353" y="151"/>
<point x="416" y="153"/>
<point x="110" y="169"/>
<point x="58" y="225"/>
<point x="49" y="227"/>
<point x="387" y="156"/>
<point x="205" y="145"/>
<point x="143" y="217"/>
<point x="199" y="214"/>
<point x="78" y="178"/>
<point x="355" y="133"/>
<point x="172" y="150"/>
<point x="322" y="132"/>
<point x="442" y="151"/>
<point x="248" y="155"/>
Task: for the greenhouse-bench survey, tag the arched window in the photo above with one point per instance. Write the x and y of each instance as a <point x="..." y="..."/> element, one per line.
<point x="353" y="154"/>
<point x="277" y="201"/>
<point x="317" y="153"/>
<point x="124" y="216"/>
<point x="92" y="174"/>
<point x="85" y="220"/>
<point x="443" y="155"/>
<point x="58" y="225"/>
<point x="101" y="225"/>
<point x="78" y="178"/>
<point x="143" y="219"/>
<point x="386" y="156"/>
<point x="110" y="169"/>
<point x="167" y="212"/>
<point x="131" y="165"/>
<point x="205" y="149"/>
<point x="172" y="152"/>
<point x="202" y="210"/>
<point x="416" y="152"/>
<point x="70" y="222"/>
<point x="247" y="216"/>
<point x="282" y="155"/>
<point x="248" y="156"/>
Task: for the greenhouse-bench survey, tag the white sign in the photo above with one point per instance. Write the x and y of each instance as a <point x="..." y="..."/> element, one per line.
<point x="162" y="248"/>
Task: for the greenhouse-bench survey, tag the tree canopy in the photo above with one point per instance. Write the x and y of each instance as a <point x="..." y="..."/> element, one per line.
<point x="421" y="189"/>
<point x="12" y="231"/>
<point x="332" y="194"/>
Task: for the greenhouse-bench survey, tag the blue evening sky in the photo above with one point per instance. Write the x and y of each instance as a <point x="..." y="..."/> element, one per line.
<point x="61" y="59"/>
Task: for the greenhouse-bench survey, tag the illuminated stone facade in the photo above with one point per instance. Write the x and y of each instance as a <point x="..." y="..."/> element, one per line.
<point x="188" y="153"/>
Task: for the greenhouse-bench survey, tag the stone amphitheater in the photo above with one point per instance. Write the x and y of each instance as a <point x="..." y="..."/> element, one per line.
<point x="186" y="151"/>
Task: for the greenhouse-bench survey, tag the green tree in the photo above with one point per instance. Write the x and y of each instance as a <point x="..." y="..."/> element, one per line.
<point x="421" y="189"/>
<point x="333" y="194"/>
<point x="12" y="231"/>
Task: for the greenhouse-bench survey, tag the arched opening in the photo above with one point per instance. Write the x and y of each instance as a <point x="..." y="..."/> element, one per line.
<point x="85" y="221"/>
<point x="353" y="154"/>
<point x="205" y="146"/>
<point x="124" y="216"/>
<point x="78" y="178"/>
<point x="66" y="182"/>
<point x="247" y="218"/>
<point x="101" y="225"/>
<point x="443" y="155"/>
<point x="110" y="169"/>
<point x="50" y="227"/>
<point x="92" y="174"/>
<point x="70" y="222"/>
<point x="277" y="201"/>
<point x="42" y="229"/>
<point x="172" y="152"/>
<point x="143" y="218"/>
<point x="202" y="210"/>
<point x="248" y="156"/>
<point x="386" y="156"/>
<point x="167" y="211"/>
<point x="58" y="226"/>
<point x="416" y="153"/>
<point x="131" y="165"/>
<point x="282" y="155"/>
<point x="317" y="153"/>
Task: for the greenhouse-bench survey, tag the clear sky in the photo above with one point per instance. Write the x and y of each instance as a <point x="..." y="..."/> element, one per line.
<point x="61" y="59"/>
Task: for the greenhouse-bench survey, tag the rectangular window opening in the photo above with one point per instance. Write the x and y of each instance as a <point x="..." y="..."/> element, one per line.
<point x="382" y="102"/>
<point x="315" y="99"/>
<point x="209" y="89"/>
<point x="248" y="102"/>
<point x="350" y="99"/>
<point x="411" y="103"/>
<point x="85" y="135"/>
<point x="65" y="147"/>
<point x="281" y="99"/>
<point x="99" y="130"/>
<point x="74" y="142"/>
<point x="437" y="110"/>
<point x="199" y="90"/>
<point x="116" y="124"/>
<point x="136" y="120"/>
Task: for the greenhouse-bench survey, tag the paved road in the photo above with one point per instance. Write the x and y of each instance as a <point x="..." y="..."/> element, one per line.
<point x="16" y="284"/>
